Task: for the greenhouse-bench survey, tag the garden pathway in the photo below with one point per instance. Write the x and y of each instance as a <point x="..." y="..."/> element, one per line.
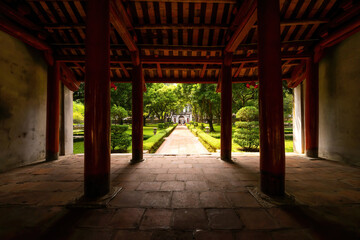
<point x="182" y="141"/>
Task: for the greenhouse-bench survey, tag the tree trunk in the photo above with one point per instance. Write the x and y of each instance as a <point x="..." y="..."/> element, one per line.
<point x="121" y="121"/>
<point x="210" y="119"/>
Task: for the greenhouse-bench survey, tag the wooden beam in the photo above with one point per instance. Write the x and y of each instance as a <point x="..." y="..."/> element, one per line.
<point x="118" y="21"/>
<point x="181" y="26"/>
<point x="185" y="59"/>
<point x="126" y="18"/>
<point x="189" y="1"/>
<point x="158" y="69"/>
<point x="202" y="74"/>
<point x="204" y="80"/>
<point x="23" y="35"/>
<point x="296" y="22"/>
<point x="18" y="18"/>
<point x="297" y="75"/>
<point x="247" y="21"/>
<point x="68" y="78"/>
<point x="124" y="70"/>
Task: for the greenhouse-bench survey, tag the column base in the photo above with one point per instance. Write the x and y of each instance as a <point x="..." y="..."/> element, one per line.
<point x="51" y="156"/>
<point x="137" y="156"/>
<point x="225" y="156"/>
<point x="96" y="186"/>
<point x="272" y="184"/>
<point x="312" y="153"/>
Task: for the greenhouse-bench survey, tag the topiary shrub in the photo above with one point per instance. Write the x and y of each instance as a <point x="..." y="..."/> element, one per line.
<point x="120" y="141"/>
<point x="248" y="114"/>
<point x="195" y="124"/>
<point x="202" y="127"/>
<point x="191" y="122"/>
<point x="161" y="126"/>
<point x="247" y="129"/>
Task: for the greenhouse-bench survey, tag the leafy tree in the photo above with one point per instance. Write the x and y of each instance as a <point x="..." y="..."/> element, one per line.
<point x="118" y="113"/>
<point x="122" y="96"/>
<point x="247" y="132"/>
<point x="161" y="100"/>
<point x="243" y="96"/>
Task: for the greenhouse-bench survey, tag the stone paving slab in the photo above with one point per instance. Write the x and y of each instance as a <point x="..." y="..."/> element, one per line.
<point x="162" y="199"/>
<point x="182" y="141"/>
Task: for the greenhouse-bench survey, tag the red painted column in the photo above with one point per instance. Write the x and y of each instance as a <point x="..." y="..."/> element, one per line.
<point x="271" y="119"/>
<point x="226" y="108"/>
<point x="53" y="112"/>
<point x="97" y="100"/>
<point x="137" y="114"/>
<point x="312" y="108"/>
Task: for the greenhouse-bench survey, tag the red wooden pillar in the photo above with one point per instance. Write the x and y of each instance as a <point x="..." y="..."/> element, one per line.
<point x="272" y="148"/>
<point x="312" y="108"/>
<point x="97" y="100"/>
<point x="53" y="112"/>
<point x="226" y="108"/>
<point x="137" y="114"/>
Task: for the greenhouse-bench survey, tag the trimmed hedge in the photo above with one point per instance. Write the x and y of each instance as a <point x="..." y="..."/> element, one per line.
<point x="153" y="143"/>
<point x="208" y="141"/>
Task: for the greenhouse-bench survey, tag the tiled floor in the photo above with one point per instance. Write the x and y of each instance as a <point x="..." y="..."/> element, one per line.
<point x="181" y="141"/>
<point x="182" y="197"/>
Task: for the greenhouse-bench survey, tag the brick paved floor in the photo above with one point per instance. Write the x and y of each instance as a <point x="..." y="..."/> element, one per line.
<point x="182" y="197"/>
<point x="182" y="141"/>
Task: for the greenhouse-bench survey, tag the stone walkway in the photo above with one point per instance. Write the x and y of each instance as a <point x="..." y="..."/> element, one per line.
<point x="182" y="141"/>
<point x="182" y="197"/>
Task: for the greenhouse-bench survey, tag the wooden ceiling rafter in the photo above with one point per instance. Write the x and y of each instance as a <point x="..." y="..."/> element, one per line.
<point x="248" y="20"/>
<point x="188" y="37"/>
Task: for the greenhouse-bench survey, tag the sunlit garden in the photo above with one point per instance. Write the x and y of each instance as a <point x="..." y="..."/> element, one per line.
<point x="162" y="101"/>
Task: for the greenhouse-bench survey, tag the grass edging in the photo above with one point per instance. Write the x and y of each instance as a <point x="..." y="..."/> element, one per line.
<point x="209" y="142"/>
<point x="153" y="143"/>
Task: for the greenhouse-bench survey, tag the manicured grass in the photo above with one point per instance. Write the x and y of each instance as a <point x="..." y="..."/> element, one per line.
<point x="78" y="147"/>
<point x="148" y="135"/>
<point x="289" y="145"/>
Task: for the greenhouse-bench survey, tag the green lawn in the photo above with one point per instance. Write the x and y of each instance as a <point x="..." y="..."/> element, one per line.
<point x="148" y="131"/>
<point x="78" y="147"/>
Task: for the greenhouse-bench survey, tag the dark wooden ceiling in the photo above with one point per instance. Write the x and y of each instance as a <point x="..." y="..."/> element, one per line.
<point x="181" y="40"/>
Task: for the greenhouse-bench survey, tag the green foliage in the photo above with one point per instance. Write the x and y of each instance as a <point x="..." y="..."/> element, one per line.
<point x="119" y="139"/>
<point x="247" y="129"/>
<point x="288" y="106"/>
<point x="161" y="126"/>
<point x="118" y="113"/>
<point x="202" y="127"/>
<point x="78" y="118"/>
<point x="78" y="112"/>
<point x="196" y="124"/>
<point x="248" y="114"/>
<point x="247" y="135"/>
<point x="191" y="122"/>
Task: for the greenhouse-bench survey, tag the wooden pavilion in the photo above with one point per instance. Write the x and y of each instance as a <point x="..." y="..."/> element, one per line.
<point x="173" y="41"/>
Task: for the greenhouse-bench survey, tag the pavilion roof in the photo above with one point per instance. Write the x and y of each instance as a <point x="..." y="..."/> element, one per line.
<point x="181" y="41"/>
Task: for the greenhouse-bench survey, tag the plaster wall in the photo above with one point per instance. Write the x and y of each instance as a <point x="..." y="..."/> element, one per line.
<point x="66" y="143"/>
<point x="298" y="120"/>
<point x="23" y="75"/>
<point x="339" y="102"/>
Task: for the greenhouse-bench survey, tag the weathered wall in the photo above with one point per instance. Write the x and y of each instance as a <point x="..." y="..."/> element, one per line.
<point x="298" y="119"/>
<point x="339" y="102"/>
<point x="22" y="103"/>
